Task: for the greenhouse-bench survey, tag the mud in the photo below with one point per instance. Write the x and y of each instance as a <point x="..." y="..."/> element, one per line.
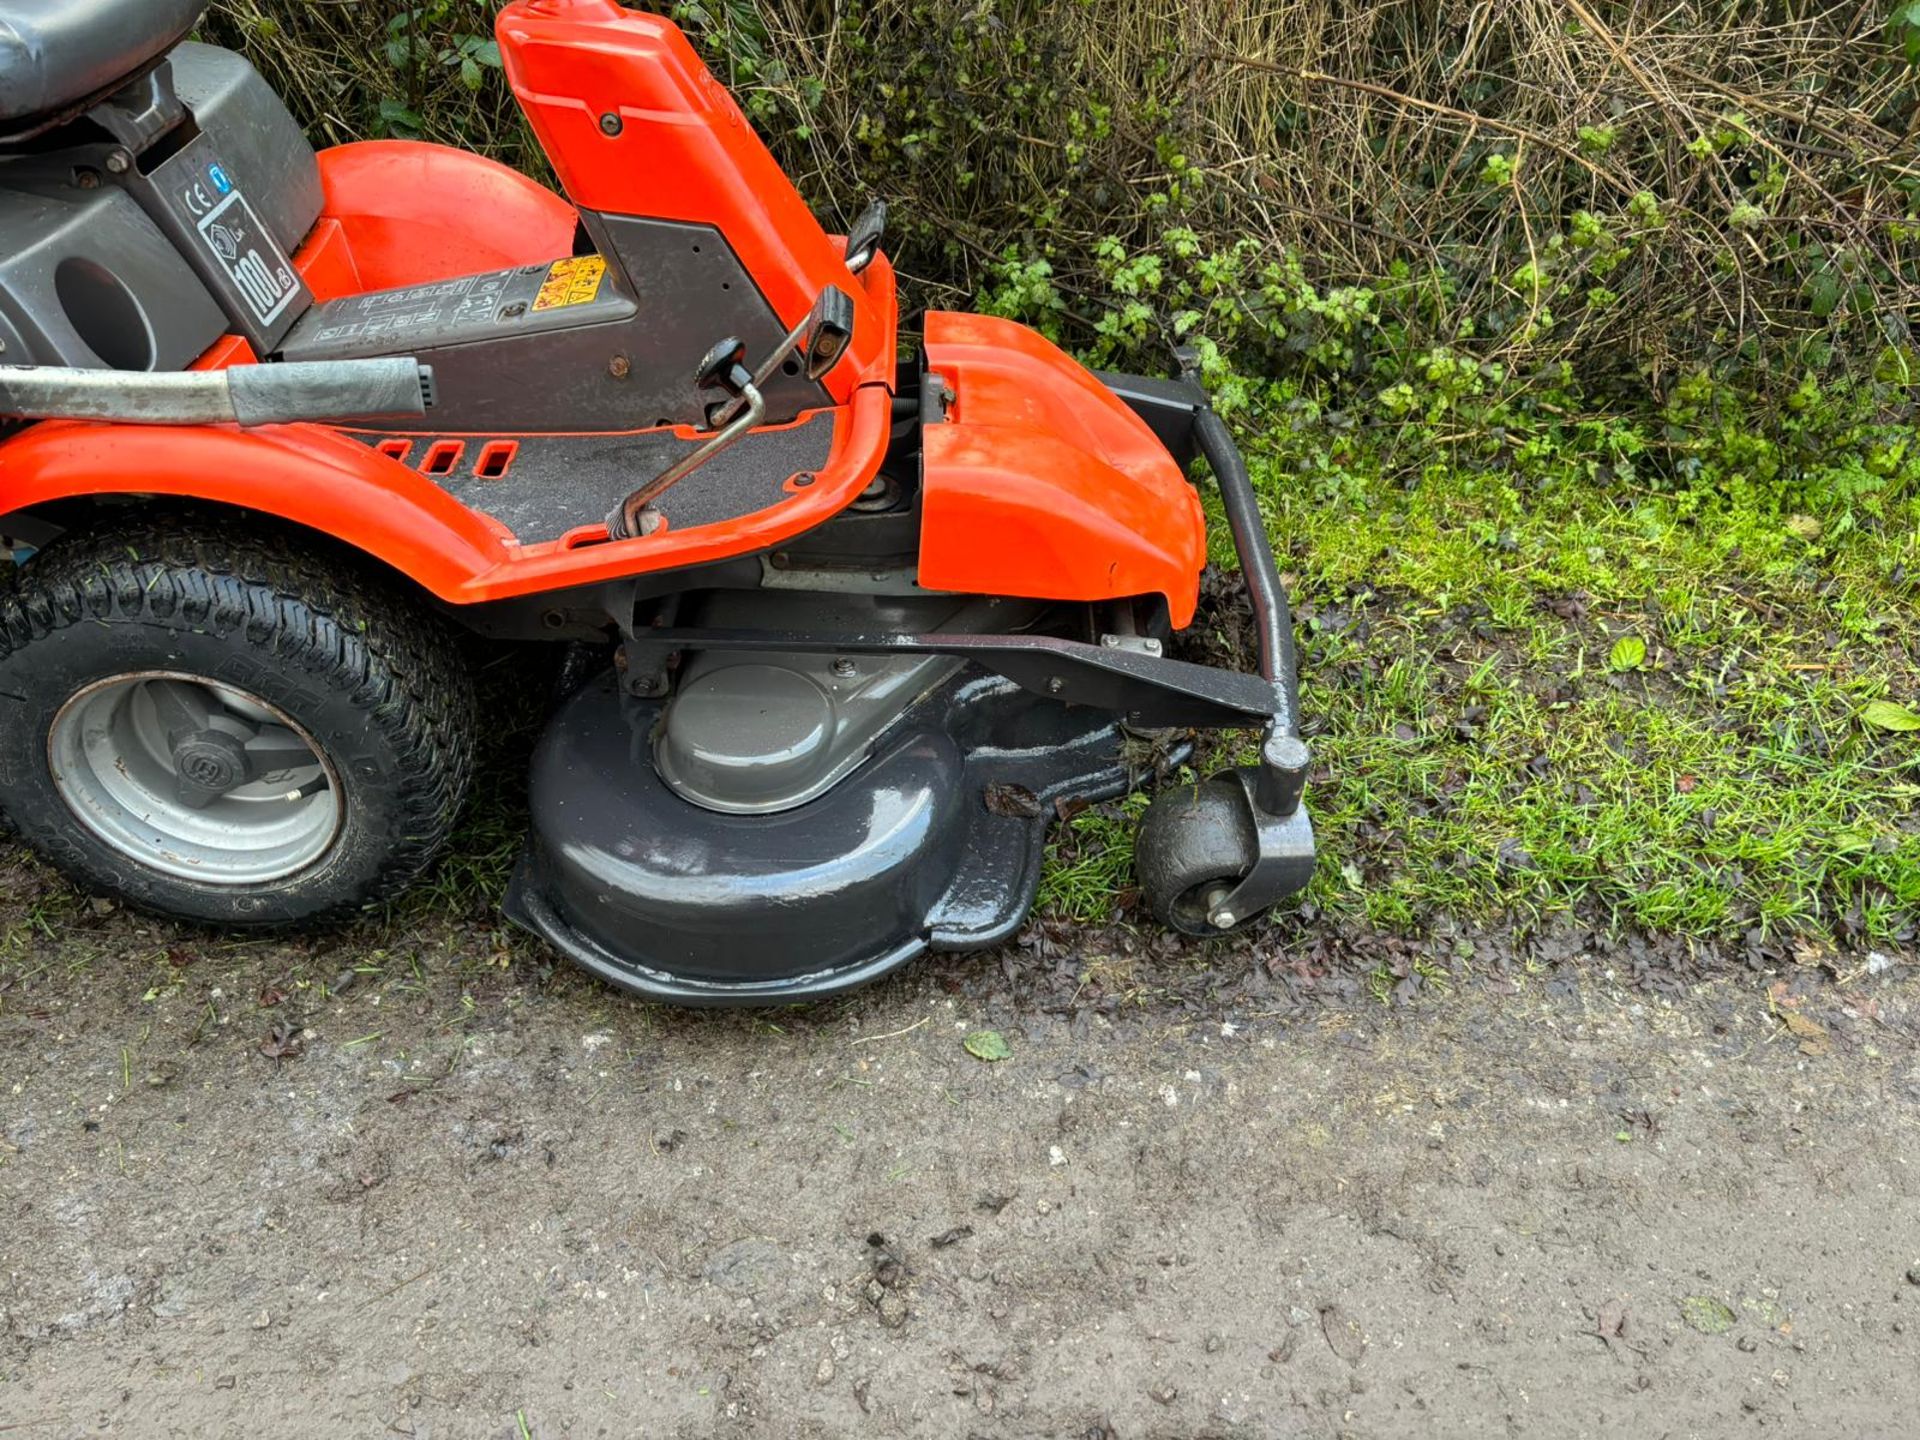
<point x="1214" y="1192"/>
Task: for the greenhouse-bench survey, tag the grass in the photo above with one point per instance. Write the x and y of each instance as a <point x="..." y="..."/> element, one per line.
<point x="1482" y="750"/>
<point x="1485" y="751"/>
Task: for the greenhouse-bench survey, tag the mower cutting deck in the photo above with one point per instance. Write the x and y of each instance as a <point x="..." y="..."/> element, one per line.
<point x="853" y="628"/>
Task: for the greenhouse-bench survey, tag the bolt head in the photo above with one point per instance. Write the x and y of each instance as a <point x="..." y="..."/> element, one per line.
<point x="611" y="124"/>
<point x="843" y="668"/>
<point x="1224" y="919"/>
<point x="119" y="162"/>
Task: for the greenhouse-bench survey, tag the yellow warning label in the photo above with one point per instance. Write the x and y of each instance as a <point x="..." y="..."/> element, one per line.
<point x="571" y="282"/>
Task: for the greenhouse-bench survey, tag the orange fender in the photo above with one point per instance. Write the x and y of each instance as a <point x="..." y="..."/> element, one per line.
<point x="1043" y="484"/>
<point x="302" y="473"/>
<point x="327" y="481"/>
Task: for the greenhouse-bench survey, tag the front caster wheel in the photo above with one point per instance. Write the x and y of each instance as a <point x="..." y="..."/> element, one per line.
<point x="1195" y="846"/>
<point x="223" y="726"/>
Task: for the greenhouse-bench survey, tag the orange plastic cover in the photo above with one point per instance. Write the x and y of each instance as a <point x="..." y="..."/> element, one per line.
<point x="636" y="125"/>
<point x="1043" y="484"/>
<point x="410" y="214"/>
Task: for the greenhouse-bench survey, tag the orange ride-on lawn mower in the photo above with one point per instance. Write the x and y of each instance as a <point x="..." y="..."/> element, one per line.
<point x="279" y="421"/>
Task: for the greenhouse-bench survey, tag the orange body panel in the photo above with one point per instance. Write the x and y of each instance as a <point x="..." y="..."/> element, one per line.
<point x="411" y="213"/>
<point x="304" y="473"/>
<point x="326" y="261"/>
<point x="682" y="150"/>
<point x="1043" y="484"/>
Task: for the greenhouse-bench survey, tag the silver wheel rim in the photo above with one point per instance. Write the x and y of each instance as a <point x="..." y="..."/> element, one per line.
<point x="195" y="779"/>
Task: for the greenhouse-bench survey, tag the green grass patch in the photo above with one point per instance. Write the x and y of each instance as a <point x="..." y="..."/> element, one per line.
<point x="1550" y="687"/>
<point x="1547" y="691"/>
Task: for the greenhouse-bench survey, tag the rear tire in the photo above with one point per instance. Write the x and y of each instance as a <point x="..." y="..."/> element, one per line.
<point x="222" y="725"/>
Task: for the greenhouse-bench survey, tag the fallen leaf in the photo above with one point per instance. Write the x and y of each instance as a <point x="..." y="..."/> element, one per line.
<point x="950" y="1237"/>
<point x="283" y="1042"/>
<point x="1611" y="1323"/>
<point x="1344" y="1336"/>
<point x="1804" y="527"/>
<point x="1885" y="715"/>
<point x="1629" y="653"/>
<point x="989" y="1045"/>
<point x="1813" y="1039"/>
<point x="1015" y="802"/>
<point x="1809" y="955"/>
<point x="1706" y="1314"/>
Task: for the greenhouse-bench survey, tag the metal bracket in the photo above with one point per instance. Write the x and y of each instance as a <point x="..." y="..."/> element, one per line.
<point x="1283" y="855"/>
<point x="1144" y="689"/>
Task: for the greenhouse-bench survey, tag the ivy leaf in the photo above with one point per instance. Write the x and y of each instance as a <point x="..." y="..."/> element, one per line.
<point x="1629" y="653"/>
<point x="1823" y="294"/>
<point x="1706" y="1314"/>
<point x="1885" y="715"/>
<point x="988" y="1045"/>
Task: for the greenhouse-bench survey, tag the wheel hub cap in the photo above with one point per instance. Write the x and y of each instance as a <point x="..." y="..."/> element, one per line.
<point x="212" y="760"/>
<point x="195" y="779"/>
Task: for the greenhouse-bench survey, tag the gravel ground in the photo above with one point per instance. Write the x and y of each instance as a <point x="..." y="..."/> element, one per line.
<point x="1213" y="1193"/>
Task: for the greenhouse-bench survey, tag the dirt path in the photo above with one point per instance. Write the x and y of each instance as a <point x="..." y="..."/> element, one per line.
<point x="479" y="1201"/>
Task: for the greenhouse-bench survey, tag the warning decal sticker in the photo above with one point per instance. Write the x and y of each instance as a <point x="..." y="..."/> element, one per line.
<point x="571" y="282"/>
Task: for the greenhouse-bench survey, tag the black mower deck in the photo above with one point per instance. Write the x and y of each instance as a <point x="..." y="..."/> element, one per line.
<point x="936" y="844"/>
<point x="542" y="486"/>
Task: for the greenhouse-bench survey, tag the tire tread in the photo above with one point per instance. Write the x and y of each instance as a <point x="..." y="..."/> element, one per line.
<point x="354" y="629"/>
